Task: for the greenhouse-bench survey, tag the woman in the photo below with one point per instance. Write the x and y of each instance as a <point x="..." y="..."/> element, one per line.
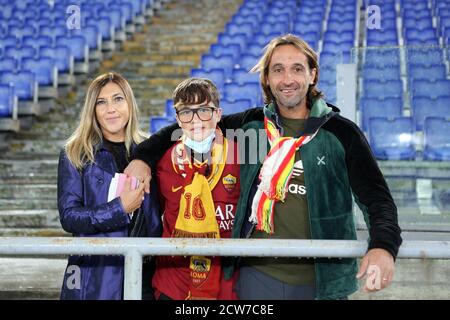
<point x="99" y="148"/>
<point x="198" y="183"/>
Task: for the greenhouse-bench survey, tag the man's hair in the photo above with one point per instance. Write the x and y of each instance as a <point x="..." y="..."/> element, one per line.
<point x="195" y="91"/>
<point x="263" y="64"/>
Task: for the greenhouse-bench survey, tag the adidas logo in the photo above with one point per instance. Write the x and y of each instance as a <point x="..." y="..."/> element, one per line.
<point x="298" y="168"/>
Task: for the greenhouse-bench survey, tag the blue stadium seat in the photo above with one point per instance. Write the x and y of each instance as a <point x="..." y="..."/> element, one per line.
<point x="20" y="53"/>
<point x="418" y="24"/>
<point x="334" y="47"/>
<point x="381" y="57"/>
<point x="216" y="75"/>
<point x="278" y="28"/>
<point x="170" y="109"/>
<point x="91" y="34"/>
<point x="425" y="56"/>
<point x="254" y="49"/>
<point x="239" y="38"/>
<point x="328" y="74"/>
<point x="23" y="82"/>
<point x="382" y="35"/>
<point x="314" y="17"/>
<point x="381" y="74"/>
<point x="421" y="37"/>
<point x="285" y="17"/>
<point x="383" y="90"/>
<point x="8" y="41"/>
<point x="330" y="59"/>
<point x="8" y="64"/>
<point x="329" y="91"/>
<point x="336" y="37"/>
<point x="6" y="100"/>
<point x="157" y="123"/>
<point x="263" y="39"/>
<point x="126" y="9"/>
<point x="239" y="105"/>
<point x="241" y="76"/>
<point x="423" y="107"/>
<point x="41" y="23"/>
<point x="392" y="138"/>
<point x="312" y="38"/>
<point x="437" y="139"/>
<point x="225" y="62"/>
<point x="372" y="107"/>
<point x="430" y="73"/>
<point x="248" y="61"/>
<point x="252" y="91"/>
<point x="104" y="26"/>
<point x="20" y="32"/>
<point x="37" y="42"/>
<point x="347" y="16"/>
<point x="218" y="49"/>
<point x="258" y="12"/>
<point x="115" y="17"/>
<point x="253" y="19"/>
<point x="76" y="44"/>
<point x="235" y="28"/>
<point x="53" y="31"/>
<point x="341" y="27"/>
<point x="60" y="54"/>
<point x="42" y="68"/>
<point x="435" y="89"/>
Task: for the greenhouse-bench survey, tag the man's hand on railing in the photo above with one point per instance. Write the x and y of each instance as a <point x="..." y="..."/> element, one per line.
<point x="140" y="170"/>
<point x="377" y="267"/>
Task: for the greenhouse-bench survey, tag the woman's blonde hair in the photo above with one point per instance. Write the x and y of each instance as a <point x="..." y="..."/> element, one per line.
<point x="263" y="64"/>
<point x="80" y="146"/>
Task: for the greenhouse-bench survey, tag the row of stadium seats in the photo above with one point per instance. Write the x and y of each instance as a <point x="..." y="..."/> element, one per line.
<point x="395" y="138"/>
<point x="390" y="78"/>
<point x="40" y="50"/>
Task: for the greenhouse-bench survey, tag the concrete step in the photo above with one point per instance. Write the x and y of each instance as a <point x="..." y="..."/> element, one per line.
<point x="28" y="204"/>
<point x="30" y="166"/>
<point x="28" y="178"/>
<point x="33" y="232"/>
<point x="28" y="191"/>
<point x="31" y="278"/>
<point x="37" y="146"/>
<point x="29" y="219"/>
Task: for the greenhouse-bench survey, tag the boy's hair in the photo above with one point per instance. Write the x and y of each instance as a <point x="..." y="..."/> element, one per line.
<point x="194" y="91"/>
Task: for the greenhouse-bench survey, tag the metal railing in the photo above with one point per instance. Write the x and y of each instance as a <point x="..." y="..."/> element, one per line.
<point x="135" y="248"/>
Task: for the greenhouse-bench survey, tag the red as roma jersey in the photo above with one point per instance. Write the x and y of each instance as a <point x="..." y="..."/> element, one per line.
<point x="172" y="273"/>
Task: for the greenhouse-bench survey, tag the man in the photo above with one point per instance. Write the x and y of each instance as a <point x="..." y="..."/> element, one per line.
<point x="303" y="189"/>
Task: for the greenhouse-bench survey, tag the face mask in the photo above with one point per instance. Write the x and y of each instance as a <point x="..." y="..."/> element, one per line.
<point x="200" y="146"/>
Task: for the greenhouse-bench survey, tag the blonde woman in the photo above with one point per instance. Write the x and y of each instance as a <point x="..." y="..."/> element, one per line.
<point x="99" y="148"/>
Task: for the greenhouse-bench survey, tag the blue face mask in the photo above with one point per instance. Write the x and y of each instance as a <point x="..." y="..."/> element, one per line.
<point x="200" y="146"/>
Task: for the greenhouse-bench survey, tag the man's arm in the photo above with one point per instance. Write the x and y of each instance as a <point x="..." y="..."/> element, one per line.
<point x="374" y="198"/>
<point x="151" y="150"/>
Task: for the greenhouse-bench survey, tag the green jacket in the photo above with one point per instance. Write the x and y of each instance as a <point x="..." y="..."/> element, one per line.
<point x="337" y="163"/>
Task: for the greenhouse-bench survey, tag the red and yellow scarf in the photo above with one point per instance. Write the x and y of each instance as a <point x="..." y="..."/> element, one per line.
<point x="275" y="175"/>
<point x="196" y="216"/>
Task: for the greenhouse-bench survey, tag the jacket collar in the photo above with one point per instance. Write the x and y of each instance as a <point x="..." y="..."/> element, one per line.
<point x="104" y="159"/>
<point x="320" y="113"/>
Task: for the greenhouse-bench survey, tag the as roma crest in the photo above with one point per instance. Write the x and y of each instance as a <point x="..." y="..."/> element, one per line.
<point x="199" y="267"/>
<point x="229" y="182"/>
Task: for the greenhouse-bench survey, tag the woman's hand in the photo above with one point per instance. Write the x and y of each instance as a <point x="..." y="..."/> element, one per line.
<point x="132" y="199"/>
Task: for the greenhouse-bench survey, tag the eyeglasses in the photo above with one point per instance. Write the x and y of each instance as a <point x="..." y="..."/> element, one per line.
<point x="203" y="113"/>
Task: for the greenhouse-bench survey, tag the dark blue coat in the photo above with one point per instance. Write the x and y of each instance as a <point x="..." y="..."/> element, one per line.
<point x="85" y="212"/>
